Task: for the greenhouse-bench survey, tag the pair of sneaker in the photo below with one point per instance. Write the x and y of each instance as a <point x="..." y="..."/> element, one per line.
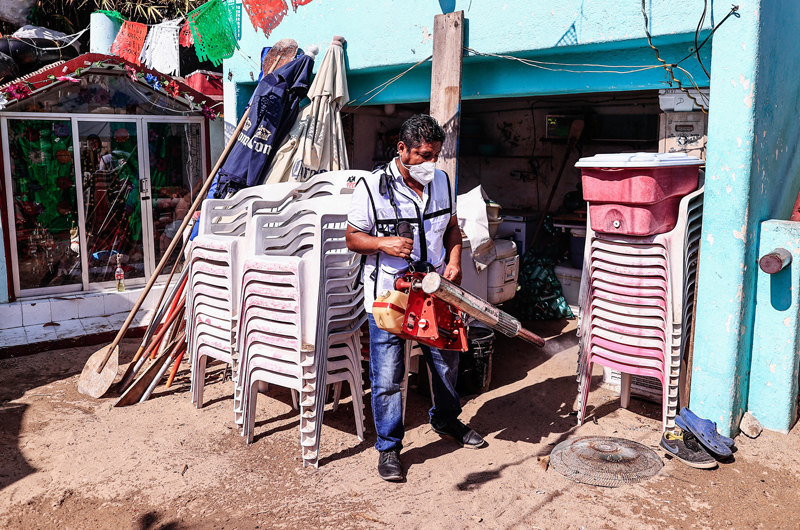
<point x="391" y="469"/>
<point x="697" y="444"/>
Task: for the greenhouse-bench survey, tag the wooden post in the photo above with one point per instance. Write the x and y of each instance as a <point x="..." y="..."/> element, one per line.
<point x="448" y="46"/>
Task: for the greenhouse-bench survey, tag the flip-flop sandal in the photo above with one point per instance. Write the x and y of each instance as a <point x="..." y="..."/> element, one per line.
<point x="705" y="431"/>
<point x="687" y="449"/>
<point x="730" y="442"/>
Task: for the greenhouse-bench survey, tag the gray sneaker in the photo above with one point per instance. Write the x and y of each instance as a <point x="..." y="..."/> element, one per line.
<point x="687" y="449"/>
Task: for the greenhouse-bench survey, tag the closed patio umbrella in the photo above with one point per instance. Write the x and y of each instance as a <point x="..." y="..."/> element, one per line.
<point x="315" y="143"/>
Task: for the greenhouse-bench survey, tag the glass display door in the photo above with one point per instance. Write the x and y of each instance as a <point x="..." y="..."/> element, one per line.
<point x="175" y="164"/>
<point x="43" y="204"/>
<point x="112" y="205"/>
<point x="86" y="193"/>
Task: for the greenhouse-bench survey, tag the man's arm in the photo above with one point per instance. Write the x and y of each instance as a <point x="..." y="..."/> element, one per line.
<point x="452" y="245"/>
<point x="364" y="243"/>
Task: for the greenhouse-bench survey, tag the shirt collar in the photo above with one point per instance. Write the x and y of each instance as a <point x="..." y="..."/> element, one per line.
<point x="395" y="170"/>
<point x="399" y="176"/>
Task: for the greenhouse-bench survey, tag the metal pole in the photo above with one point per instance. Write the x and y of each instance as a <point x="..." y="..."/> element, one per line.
<point x="479" y="309"/>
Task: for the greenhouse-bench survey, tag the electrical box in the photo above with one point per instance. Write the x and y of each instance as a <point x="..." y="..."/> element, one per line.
<point x="683" y="132"/>
<point x="558" y="125"/>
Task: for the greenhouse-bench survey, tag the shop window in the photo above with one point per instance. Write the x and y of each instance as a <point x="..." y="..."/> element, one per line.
<point x="109" y="166"/>
<point x="175" y="175"/>
<point x="88" y="194"/>
<point x="44" y="203"/>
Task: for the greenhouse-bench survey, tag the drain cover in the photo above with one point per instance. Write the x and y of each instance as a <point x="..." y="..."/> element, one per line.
<point x="604" y="461"/>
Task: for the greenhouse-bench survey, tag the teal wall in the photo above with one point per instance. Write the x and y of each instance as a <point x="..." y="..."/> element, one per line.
<point x="386" y="37"/>
<point x="752" y="175"/>
<point x="772" y="392"/>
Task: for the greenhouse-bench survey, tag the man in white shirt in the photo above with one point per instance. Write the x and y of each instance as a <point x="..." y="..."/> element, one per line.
<point x="409" y="193"/>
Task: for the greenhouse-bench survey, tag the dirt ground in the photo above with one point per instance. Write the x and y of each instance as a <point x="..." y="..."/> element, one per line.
<point x="71" y="462"/>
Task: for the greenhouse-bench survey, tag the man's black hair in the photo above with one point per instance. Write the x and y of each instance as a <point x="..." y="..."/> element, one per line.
<point x="421" y="128"/>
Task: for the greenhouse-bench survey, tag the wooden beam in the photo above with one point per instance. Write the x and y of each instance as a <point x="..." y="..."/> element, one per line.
<point x="448" y="45"/>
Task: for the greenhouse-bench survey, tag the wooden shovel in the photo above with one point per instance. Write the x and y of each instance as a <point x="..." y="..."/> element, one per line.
<point x="281" y="53"/>
<point x="101" y="369"/>
<point x="138" y="389"/>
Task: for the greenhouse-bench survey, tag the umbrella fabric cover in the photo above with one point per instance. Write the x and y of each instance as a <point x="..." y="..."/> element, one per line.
<point x="273" y="109"/>
<point x="316" y="141"/>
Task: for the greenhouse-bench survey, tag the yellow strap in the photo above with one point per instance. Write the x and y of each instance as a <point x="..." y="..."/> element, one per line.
<point x="672" y="436"/>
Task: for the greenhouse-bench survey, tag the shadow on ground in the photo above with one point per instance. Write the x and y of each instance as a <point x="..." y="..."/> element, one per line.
<point x="17" y="377"/>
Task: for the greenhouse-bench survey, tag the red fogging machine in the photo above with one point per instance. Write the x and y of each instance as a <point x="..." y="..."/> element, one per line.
<point x="432" y="310"/>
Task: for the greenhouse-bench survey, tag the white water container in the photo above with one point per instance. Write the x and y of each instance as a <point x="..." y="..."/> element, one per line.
<point x="503" y="272"/>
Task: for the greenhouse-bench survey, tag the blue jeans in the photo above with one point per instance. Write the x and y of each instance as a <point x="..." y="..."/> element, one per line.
<point x="386" y="370"/>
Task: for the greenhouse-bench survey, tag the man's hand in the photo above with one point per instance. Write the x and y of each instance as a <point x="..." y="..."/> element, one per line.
<point x="453" y="273"/>
<point x="399" y="247"/>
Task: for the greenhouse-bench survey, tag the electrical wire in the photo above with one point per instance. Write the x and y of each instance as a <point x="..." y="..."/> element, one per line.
<point x="541" y="64"/>
<point x="733" y="12"/>
<point x="668" y="67"/>
<point x="634" y="69"/>
<point x="697" y="34"/>
<point x="248" y="58"/>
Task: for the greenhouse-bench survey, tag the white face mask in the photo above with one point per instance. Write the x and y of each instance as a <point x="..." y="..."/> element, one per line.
<point x="422" y="173"/>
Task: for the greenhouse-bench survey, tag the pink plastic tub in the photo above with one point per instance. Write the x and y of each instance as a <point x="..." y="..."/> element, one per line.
<point x="635" y="220"/>
<point x="637" y="194"/>
<point x="638" y="185"/>
<point x="638" y="178"/>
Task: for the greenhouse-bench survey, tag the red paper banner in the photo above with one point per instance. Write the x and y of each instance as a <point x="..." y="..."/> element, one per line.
<point x="296" y="3"/>
<point x="130" y="41"/>
<point x="266" y="14"/>
<point x="186" y="39"/>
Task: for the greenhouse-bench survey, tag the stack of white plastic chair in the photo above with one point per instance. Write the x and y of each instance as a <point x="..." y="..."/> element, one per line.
<point x="299" y="308"/>
<point x="344" y="316"/>
<point x="211" y="302"/>
<point x="637" y="298"/>
<point x="339" y="331"/>
<point x="215" y="260"/>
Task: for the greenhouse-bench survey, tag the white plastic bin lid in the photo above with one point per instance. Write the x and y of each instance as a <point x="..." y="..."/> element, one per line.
<point x="640" y="160"/>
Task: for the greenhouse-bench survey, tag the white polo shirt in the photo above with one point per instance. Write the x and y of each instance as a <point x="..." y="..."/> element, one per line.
<point x="373" y="213"/>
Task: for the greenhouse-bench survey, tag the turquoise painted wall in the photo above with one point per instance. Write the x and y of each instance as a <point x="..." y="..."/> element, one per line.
<point x="772" y="392"/>
<point x="752" y="175"/>
<point x="386" y="37"/>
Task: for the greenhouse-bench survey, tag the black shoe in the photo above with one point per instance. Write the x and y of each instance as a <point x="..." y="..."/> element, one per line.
<point x="460" y="432"/>
<point x="688" y="450"/>
<point x="389" y="466"/>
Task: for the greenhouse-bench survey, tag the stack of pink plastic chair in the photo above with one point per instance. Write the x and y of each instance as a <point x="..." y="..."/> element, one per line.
<point x="637" y="301"/>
